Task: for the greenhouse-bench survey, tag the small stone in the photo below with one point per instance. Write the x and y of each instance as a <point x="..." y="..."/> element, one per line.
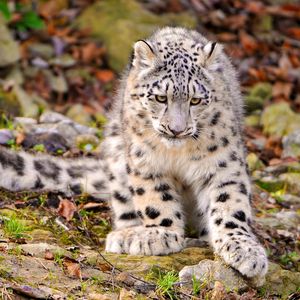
<point x="98" y="296"/>
<point x="44" y="51"/>
<point x="64" y="61"/>
<point x="127" y="295"/>
<point x="57" y="83"/>
<point x="291" y="145"/>
<point x="40" y="63"/>
<point x="5" y="136"/>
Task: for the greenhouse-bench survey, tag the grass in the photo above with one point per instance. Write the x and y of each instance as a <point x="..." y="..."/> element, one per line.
<point x="196" y="285"/>
<point x="59" y="258"/>
<point x="15" y="228"/>
<point x="165" y="284"/>
<point x="290" y="257"/>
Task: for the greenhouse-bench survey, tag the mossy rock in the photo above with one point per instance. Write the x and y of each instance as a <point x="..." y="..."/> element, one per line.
<point x="9" y="103"/>
<point x="258" y="95"/>
<point x="292" y="181"/>
<point x="281" y="282"/>
<point x="279" y="120"/>
<point x="141" y="265"/>
<point x="119" y="23"/>
<point x="9" y="49"/>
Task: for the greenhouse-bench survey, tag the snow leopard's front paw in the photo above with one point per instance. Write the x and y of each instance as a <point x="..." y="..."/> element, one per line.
<point x="141" y="240"/>
<point x="247" y="256"/>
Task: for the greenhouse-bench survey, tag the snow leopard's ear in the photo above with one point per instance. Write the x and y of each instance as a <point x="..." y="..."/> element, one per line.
<point x="143" y="55"/>
<point x="210" y="54"/>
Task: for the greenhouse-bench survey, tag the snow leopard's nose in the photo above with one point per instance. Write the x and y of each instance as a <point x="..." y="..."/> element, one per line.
<point x="176" y="129"/>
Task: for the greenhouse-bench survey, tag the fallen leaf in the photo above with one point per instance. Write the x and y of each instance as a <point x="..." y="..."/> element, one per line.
<point x="66" y="209"/>
<point x="72" y="268"/>
<point x="248" y="42"/>
<point x="282" y="89"/>
<point x="105" y="75"/>
<point x="48" y="255"/>
<point x="104" y="267"/>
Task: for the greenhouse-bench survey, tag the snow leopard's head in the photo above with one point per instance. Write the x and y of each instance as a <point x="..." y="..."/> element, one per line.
<point x="173" y="78"/>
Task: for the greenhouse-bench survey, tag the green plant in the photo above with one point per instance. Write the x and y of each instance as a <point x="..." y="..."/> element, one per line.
<point x="196" y="285"/>
<point x="289" y="257"/>
<point x="15" y="228"/>
<point x="39" y="147"/>
<point x="27" y="18"/>
<point x="59" y="258"/>
<point x="165" y="284"/>
<point x="6" y="122"/>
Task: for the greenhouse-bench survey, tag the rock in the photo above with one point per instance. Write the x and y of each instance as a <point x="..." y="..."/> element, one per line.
<point x="291" y="145"/>
<point x="52" y="117"/>
<point x="292" y="199"/>
<point x="289" y="218"/>
<point x="28" y="107"/>
<point x="281" y="282"/>
<point x="258" y="95"/>
<point x="15" y="76"/>
<point x="24" y="121"/>
<point x="119" y="23"/>
<point x="45" y="51"/>
<point x="280" y="220"/>
<point x="209" y="271"/>
<point x="9" y="49"/>
<point x="293" y="182"/>
<point x="57" y="82"/>
<point x="254" y="163"/>
<point x="176" y="261"/>
<point x="65" y="61"/>
<point x="279" y="120"/>
<point x="40" y="63"/>
<point x="52" y="141"/>
<point x="5" y="136"/>
<point x="78" y="114"/>
<point x="38" y="249"/>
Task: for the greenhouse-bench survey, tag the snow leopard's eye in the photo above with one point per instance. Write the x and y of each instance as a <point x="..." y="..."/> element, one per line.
<point x="161" y="99"/>
<point x="195" y="101"/>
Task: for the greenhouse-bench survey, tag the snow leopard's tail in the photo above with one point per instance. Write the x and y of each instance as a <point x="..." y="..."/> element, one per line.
<point x="23" y="171"/>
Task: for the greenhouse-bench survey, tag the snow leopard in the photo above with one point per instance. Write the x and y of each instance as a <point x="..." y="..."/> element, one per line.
<point x="172" y="155"/>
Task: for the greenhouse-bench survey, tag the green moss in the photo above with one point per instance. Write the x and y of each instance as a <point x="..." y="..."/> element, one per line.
<point x="279" y="120"/>
<point x="271" y="186"/>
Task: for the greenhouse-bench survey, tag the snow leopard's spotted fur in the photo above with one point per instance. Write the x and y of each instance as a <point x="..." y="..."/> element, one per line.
<point x="166" y="162"/>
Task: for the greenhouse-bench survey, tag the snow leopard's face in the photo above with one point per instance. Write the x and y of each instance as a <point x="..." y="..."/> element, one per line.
<point x="176" y="91"/>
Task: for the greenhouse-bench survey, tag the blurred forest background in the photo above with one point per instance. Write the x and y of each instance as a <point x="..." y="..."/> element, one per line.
<point x="60" y="61"/>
